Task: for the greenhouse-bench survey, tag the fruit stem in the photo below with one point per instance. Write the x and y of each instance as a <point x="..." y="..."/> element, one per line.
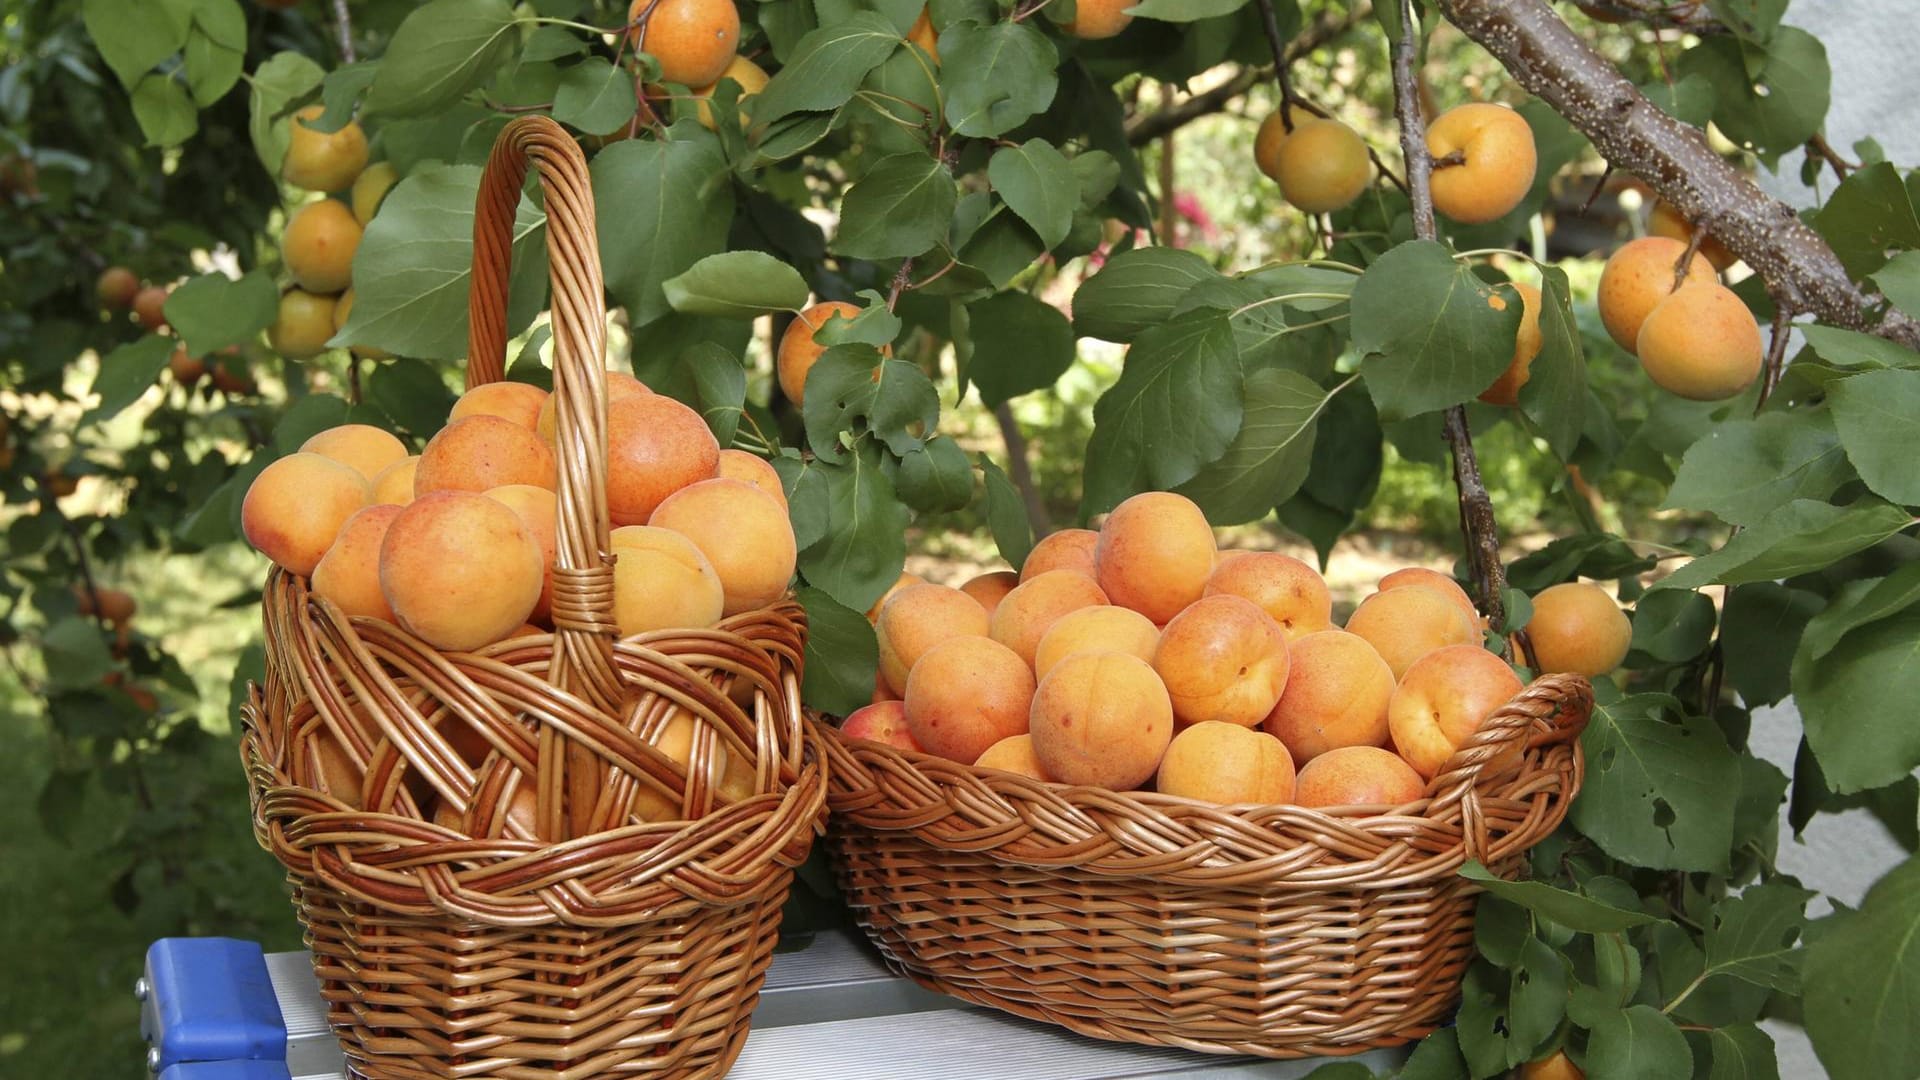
<point x="1685" y="261"/>
<point x="1776" y="352"/>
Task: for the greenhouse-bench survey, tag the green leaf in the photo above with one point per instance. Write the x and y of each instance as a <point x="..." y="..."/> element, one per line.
<point x="1878" y="417"/>
<point x="1742" y="1052"/>
<point x="1688" y="100"/>
<point x="1001" y="247"/>
<point x="1870" y="212"/>
<point x="1753" y="20"/>
<point x="899" y="209"/>
<point x="827" y="66"/>
<point x="415" y="263"/>
<point x="738" y="285"/>
<point x="307" y="417"/>
<point x="1850" y="348"/>
<point x="1426" y="334"/>
<point x="1039" y="185"/>
<point x="1136" y="291"/>
<point x="1345" y="471"/>
<point x="1863" y="980"/>
<point x="595" y="97"/>
<point x="1571" y="910"/>
<point x="1174" y="410"/>
<point x="1097" y="173"/>
<point x="443" y="49"/>
<point x="340" y="95"/>
<point x="1437" y="1057"/>
<point x="842" y="654"/>
<point x="1852" y="676"/>
<point x="936" y="477"/>
<point x="1268" y="460"/>
<point x="1555" y="394"/>
<point x="866" y="540"/>
<point x="125" y="374"/>
<point x="1657" y="792"/>
<point x="212" y="311"/>
<point x="1006" y="515"/>
<point x="806" y="488"/>
<point x="1673" y="626"/>
<point x="166" y="114"/>
<point x="1505" y="1016"/>
<point x="1759" y="632"/>
<point x="1899" y="281"/>
<point x="133" y="37"/>
<point x="1744" y="468"/>
<point x="548" y="43"/>
<point x="1499" y="929"/>
<point x="276" y="84"/>
<point x="675" y="201"/>
<point x="75" y="651"/>
<point x="1782" y="106"/>
<point x="1753" y="936"/>
<point x="996" y="77"/>
<point x="1180" y="11"/>
<point x="216" y="49"/>
<point x="412" y="394"/>
<point x="852" y="389"/>
<point x="1020" y="344"/>
<point x="1634" y="1044"/>
<point x="1796" y="538"/>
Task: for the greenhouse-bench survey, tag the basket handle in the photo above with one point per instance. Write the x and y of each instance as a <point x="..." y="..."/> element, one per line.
<point x="583" y="571"/>
<point x="1552" y="709"/>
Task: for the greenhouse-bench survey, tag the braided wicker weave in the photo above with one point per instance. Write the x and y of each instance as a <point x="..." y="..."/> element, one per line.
<point x="1279" y="931"/>
<point x="579" y="939"/>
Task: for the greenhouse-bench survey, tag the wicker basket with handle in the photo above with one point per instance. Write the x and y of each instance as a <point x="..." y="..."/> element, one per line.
<point x="1279" y="931"/>
<point x="586" y="941"/>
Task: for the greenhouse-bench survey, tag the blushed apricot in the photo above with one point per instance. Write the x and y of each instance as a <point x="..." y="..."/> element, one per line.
<point x="1227" y="764"/>
<point x="655" y="447"/>
<point x="1103" y="628"/>
<point x="1577" y="627"/>
<point x="1499" y="166"/>
<point x="187" y="368"/>
<point x="916" y="619"/>
<point x="1357" y="776"/>
<point x="116" y="287"/>
<point x="1066" y="549"/>
<point x="662" y="581"/>
<point x="1441" y="701"/>
<point x="1222" y="659"/>
<point x="905" y="579"/>
<point x="1407" y="623"/>
<point x="693" y="40"/>
<point x="1030" y="610"/>
<point x="798" y="352"/>
<point x="1014" y="754"/>
<point x="1094" y="20"/>
<point x="1701" y="343"/>
<point x="296" y="506"/>
<point x="1337" y="693"/>
<point x="461" y="570"/>
<point x="1101" y="719"/>
<point x="965" y="695"/>
<point x="349" y="573"/>
<point x="882" y="722"/>
<point x="990" y="588"/>
<point x="620" y="385"/>
<point x="1155" y="554"/>
<point x="368" y="449"/>
<point x="742" y="531"/>
<point x="751" y="469"/>
<point x="322" y="160"/>
<point x="478" y="453"/>
<point x="1636" y="279"/>
<point x="514" y="401"/>
<point x="318" y="246"/>
<point x="539" y="509"/>
<point x="1432" y="579"/>
<point x="394" y="484"/>
<point x="1526" y="345"/>
<point x="1292" y="593"/>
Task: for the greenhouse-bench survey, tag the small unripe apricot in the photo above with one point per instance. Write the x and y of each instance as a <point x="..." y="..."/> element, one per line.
<point x="479" y="452"/>
<point x="461" y="570"/>
<point x="1067" y="549"/>
<point x="1526" y="345"/>
<point x="1222" y="659"/>
<point x="365" y="447"/>
<point x="743" y="531"/>
<point x="916" y="619"/>
<point x="296" y="506"/>
<point x="1357" y="776"/>
<point x="187" y="369"/>
<point x="349" y="573"/>
<point x="1636" y="279"/>
<point x="1701" y="343"/>
<point x="798" y="352"/>
<point x="342" y="314"/>
<point x="1292" y="593"/>
<point x="1155" y="554"/>
<point x="1227" y="764"/>
<point x="661" y="581"/>
<point x="1323" y="165"/>
<point x="113" y="605"/>
<point x="323" y="161"/>
<point x="1576" y="627"/>
<point x="318" y="246"/>
<point x="1101" y="719"/>
<point x="1500" y="161"/>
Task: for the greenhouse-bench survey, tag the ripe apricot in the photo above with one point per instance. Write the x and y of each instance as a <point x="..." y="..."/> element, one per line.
<point x="1635" y="280"/>
<point x="1155" y="554"/>
<point x="1030" y="610"/>
<point x="655" y="447"/>
<point x="539" y="509"/>
<point x="349" y="573"/>
<point x="517" y="402"/>
<point x="116" y="288"/>
<point x="990" y="588"/>
<point x="1497" y="143"/>
<point x="619" y="385"/>
<point x="1101" y="719"/>
<point x="1664" y="220"/>
<point x="1357" y="776"/>
<point x="882" y="722"/>
<point x="476" y="453"/>
<point x="728" y="776"/>
<point x="149" y="306"/>
<point x="319" y="160"/>
<point x="370" y="190"/>
<point x="751" y="77"/>
<point x="916" y="619"/>
<point x="1577" y="627"/>
<point x="1228" y="764"/>
<point x="296" y="506"/>
<point x="363" y="446"/>
<point x="1094" y="20"/>
<point x="905" y="579"/>
<point x="1407" y="623"/>
<point x="1014" y="754"/>
<point x="1322" y="166"/>
<point x="460" y="569"/>
<point x="113" y="605"/>
<point x="318" y="246"/>
<point x="661" y="581"/>
<point x="1337" y="693"/>
<point x="1432" y="579"/>
<point x="1222" y="659"/>
<point x="1267" y="141"/>
<point x="694" y="40"/>
<point x="798" y="352"/>
<point x="1556" y="1066"/>
<point x="742" y="531"/>
<point x="1701" y="343"/>
<point x="187" y="369"/>
<point x="302" y="325"/>
<point x="965" y="695"/>
<point x="751" y="469"/>
<point x="394" y="484"/>
<point x="922" y="33"/>
<point x="1441" y="701"/>
<point x="1103" y="628"/>
<point x="326" y="767"/>
<point x="1292" y="593"/>
<point x="1526" y="345"/>
<point x="1067" y="549"/>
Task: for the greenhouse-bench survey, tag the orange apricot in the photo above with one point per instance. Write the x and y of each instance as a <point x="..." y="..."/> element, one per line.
<point x="1155" y="554"/>
<point x="1664" y="220"/>
<point x="321" y="160"/>
<point x="1013" y="754"/>
<point x="394" y="484"/>
<point x="116" y="288"/>
<point x="370" y="189"/>
<point x="662" y="581"/>
<point x="539" y="510"/>
<point x="751" y="469"/>
<point x="1337" y="693"/>
<point x="1701" y="343"/>
<point x="1030" y="610"/>
<point x="349" y="573"/>
<point x="1267" y="141"/>
<point x="302" y="325"/>
<point x="1322" y="166"/>
<point x="461" y="570"/>
<point x="149" y="306"/>
<point x="1636" y="279"/>
<point x="916" y="619"/>
<point x="1496" y="144"/>
<point x="694" y="40"/>
<point x="318" y="246"/>
<point x="1441" y="701"/>
<point x="1102" y="628"/>
<point x="1526" y="345"/>
<point x="1357" y="776"/>
<point x="921" y="33"/>
<point x="743" y="531"/>
<point x="1432" y="579"/>
<point x="1094" y="20"/>
<point x="965" y="695"/>
<point x="1577" y="627"/>
<point x="990" y="588"/>
<point x="1101" y="719"/>
<point x="798" y="352"/>
<point x="905" y="579"/>
<point x="619" y="385"/>
<point x="655" y="447"/>
<point x="365" y="447"/>
<point x="1292" y="593"/>
<point x="882" y="722"/>
<point x="1556" y="1066"/>
<point x="749" y="76"/>
<point x="1407" y="623"/>
<point x="1067" y="549"/>
<point x="113" y="605"/>
<point x="514" y="401"/>
<point x="1222" y="659"/>
<point x="1228" y="764"/>
<point x="296" y="506"/>
<point x="478" y="453"/>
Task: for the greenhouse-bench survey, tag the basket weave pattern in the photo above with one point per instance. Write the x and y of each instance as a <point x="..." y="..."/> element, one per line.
<point x="1279" y="931"/>
<point x="584" y="939"/>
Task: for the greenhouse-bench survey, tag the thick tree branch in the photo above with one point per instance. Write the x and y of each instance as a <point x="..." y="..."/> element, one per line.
<point x="1020" y="470"/>
<point x="1551" y="61"/>
<point x="1689" y="15"/>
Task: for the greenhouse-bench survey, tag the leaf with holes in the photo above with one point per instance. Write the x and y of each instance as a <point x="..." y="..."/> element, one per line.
<point x="1779" y="109"/>
<point x="1742" y="1052"/>
<point x="851" y="389"/>
<point x="1656" y="791"/>
<point x="1753" y="936"/>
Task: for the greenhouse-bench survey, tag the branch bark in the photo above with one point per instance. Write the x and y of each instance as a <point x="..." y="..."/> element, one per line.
<point x="1551" y="61"/>
<point x="1689" y="15"/>
<point x="1020" y="471"/>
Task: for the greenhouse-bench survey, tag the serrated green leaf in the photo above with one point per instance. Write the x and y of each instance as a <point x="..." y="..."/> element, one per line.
<point x="443" y="49"/>
<point x="1555" y="394"/>
<point x="842" y="654"/>
<point x="1038" y="184"/>
<point x="1656" y="791"/>
<point x="1174" y="410"/>
<point x="996" y="77"/>
<point x="1742" y="1052"/>
<point x="1634" y="1044"/>
<point x="1569" y="909"/>
<point x="1855" y="664"/>
<point x="125" y="374"/>
<point x="166" y="113"/>
<point x="212" y="311"/>
<point x="283" y="79"/>
<point x="676" y="201"/>
<point x="936" y="477"/>
<point x="1268" y="459"/>
<point x="1745" y="467"/>
<point x="595" y="97"/>
<point x="827" y="66"/>
<point x="1795" y="538"/>
<point x="1019" y="344"/>
<point x="132" y="38"/>
<point x="1006" y="515"/>
<point x="1136" y="291"/>
<point x="1863" y="982"/>
<point x="1878" y="418"/>
<point x="1426" y="332"/>
<point x="866" y="540"/>
<point x="900" y="208"/>
<point x="737" y="285"/>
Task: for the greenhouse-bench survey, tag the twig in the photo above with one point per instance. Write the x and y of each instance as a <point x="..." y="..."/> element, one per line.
<point x="1776" y="353"/>
<point x="353" y="379"/>
<point x="900" y="279"/>
<point x="1167" y="214"/>
<point x="1413" y="142"/>
<point x="1685" y="262"/>
<point x="1598" y="186"/>
<point x="86" y="566"/>
<point x="1279" y="46"/>
<point x="1020" y="472"/>
<point x="935" y="276"/>
<point x="1693" y="17"/>
<point x="1819" y="147"/>
<point x="343" y="25"/>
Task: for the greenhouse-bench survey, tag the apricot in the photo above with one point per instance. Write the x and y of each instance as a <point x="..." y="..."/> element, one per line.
<point x="349" y="573"/>
<point x="730" y="777"/>
<point x="1322" y="166"/>
<point x="1101" y="719"/>
<point x="116" y="288"/>
<point x="1636" y="279"/>
<point x="513" y="401"/>
<point x="1556" y="1066"/>
<point x="881" y="691"/>
<point x="1357" y="776"/>
<point x="619" y="385"/>
<point x="922" y="33"/>
<point x="326" y="767"/>
<point x="394" y="484"/>
<point x="1664" y="220"/>
<point x="1497" y="143"/>
<point x="1067" y="549"/>
<point x="882" y="722"/>
<point x="302" y="325"/>
<point x="319" y="160"/>
<point x="694" y="40"/>
<point x="743" y="531"/>
<point x="318" y="246"/>
<point x="539" y="509"/>
<point x="1014" y="754"/>
<point x="370" y="190"/>
<point x="187" y="369"/>
<point x="1432" y="579"/>
<point x="751" y="78"/>
<point x="655" y="447"/>
<point x="1228" y="764"/>
<point x="1441" y="701"/>
<point x="916" y="619"/>
<point x="1526" y="345"/>
<point x="523" y="808"/>
<point x="477" y="453"/>
<point x="1337" y="693"/>
<point x="1094" y="20"/>
<point x="751" y="469"/>
<point x="1155" y="554"/>
<point x="231" y="380"/>
<point x="1407" y="623"/>
<point x="113" y="605"/>
<point x="342" y="314"/>
<point x="965" y="695"/>
<point x="149" y="306"/>
<point x="461" y="570"/>
<point x="1701" y="343"/>
<point x="365" y="447"/>
<point x="1267" y="141"/>
<point x="798" y="352"/>
<point x="1577" y="627"/>
<point x="1222" y="659"/>
<point x="1030" y="610"/>
<point x="1292" y="593"/>
<point x="1103" y="628"/>
<point x="990" y="588"/>
<point x="905" y="579"/>
<point x="661" y="581"/>
<point x="296" y="506"/>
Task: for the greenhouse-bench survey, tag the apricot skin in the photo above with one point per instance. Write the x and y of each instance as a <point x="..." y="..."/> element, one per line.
<point x="477" y="453"/>
<point x="1432" y="579"/>
<point x="1031" y="609"/>
<point x="1222" y="659"/>
<point x="965" y="695"/>
<point x="1701" y="343"/>
<point x="1576" y="627"/>
<point x="1103" y="720"/>
<point x="1267" y="141"/>
<point x="1067" y="549"/>
<point x="349" y="573"/>
<point x="1407" y="623"/>
<point x="905" y="579"/>
<point x="798" y="352"/>
<point x="1636" y="279"/>
<point x="1155" y="554"/>
<point x="1292" y="593"/>
<point x="916" y="619"/>
<point x="1094" y="20"/>
<point x="1103" y="628"/>
<point x="751" y="469"/>
<point x="539" y="509"/>
<point x="655" y="447"/>
<point x="662" y="581"/>
<point x="1357" y="776"/>
<point x="742" y="531"/>
<point x="460" y="569"/>
<point x="394" y="484"/>
<point x="368" y="449"/>
<point x="296" y="506"/>
<point x="882" y="722"/>
<point x="1526" y="345"/>
<point x="1226" y="764"/>
<point x="516" y="402"/>
<point x="318" y="245"/>
<point x="1323" y="165"/>
<point x="1497" y="143"/>
<point x="991" y="588"/>
<point x="1442" y="700"/>
<point x="301" y="326"/>
<point x="323" y="161"/>
<point x="1013" y="754"/>
<point x="1337" y="693"/>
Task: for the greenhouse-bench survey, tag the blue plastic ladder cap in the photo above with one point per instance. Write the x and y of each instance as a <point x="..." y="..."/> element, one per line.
<point x="228" y="1070"/>
<point x="213" y="1002"/>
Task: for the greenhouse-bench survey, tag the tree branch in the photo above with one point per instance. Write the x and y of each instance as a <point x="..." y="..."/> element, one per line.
<point x="1551" y="61"/>
<point x="1689" y="15"/>
<point x="343" y="25"/>
<point x="1020" y="471"/>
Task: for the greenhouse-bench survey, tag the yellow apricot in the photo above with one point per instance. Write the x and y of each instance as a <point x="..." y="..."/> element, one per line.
<point x="743" y="531"/>
<point x="1227" y="764"/>
<point x="296" y="506"/>
<point x="365" y="447"/>
<point x="1101" y="719"/>
<point x="349" y="573"/>
<point x="916" y="619"/>
<point x="1103" y="628"/>
<point x="1292" y="593"/>
<point x="1701" y="343"/>
<point x="1337" y="692"/>
<point x="1526" y="345"/>
<point x="323" y="161"/>
<point x="1577" y="627"/>
<point x="661" y="581"/>
<point x="1322" y="166"/>
<point x="517" y="402"/>
<point x="1497" y="145"/>
<point x="1155" y="554"/>
<point x="394" y="484"/>
<point x="461" y="570"/>
<point x="1636" y="279"/>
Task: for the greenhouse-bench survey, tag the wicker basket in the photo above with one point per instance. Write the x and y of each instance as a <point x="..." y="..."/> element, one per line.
<point x="1278" y="931"/>
<point x="590" y="942"/>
